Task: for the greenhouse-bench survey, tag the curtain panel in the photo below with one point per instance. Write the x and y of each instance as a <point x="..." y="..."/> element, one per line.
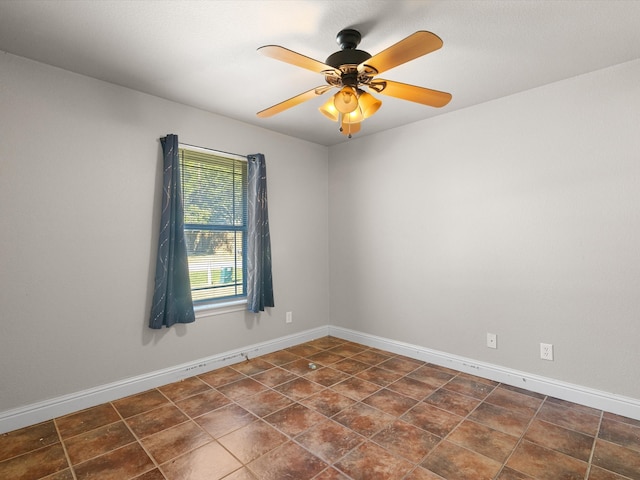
<point x="259" y="275"/>
<point x="172" y="302"/>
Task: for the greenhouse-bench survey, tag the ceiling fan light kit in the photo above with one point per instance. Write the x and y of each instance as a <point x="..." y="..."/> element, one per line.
<point x="350" y="70"/>
<point x="329" y="110"/>
<point x="368" y="103"/>
<point x="345" y="100"/>
<point x="348" y="129"/>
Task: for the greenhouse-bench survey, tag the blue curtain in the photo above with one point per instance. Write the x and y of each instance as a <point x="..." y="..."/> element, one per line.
<point x="259" y="277"/>
<point x="172" y="302"/>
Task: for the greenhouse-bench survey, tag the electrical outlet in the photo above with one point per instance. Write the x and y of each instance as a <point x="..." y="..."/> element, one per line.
<point x="546" y="351"/>
<point x="492" y="340"/>
<point x="289" y="317"/>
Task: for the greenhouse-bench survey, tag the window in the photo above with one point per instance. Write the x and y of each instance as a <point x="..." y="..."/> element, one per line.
<point x="214" y="190"/>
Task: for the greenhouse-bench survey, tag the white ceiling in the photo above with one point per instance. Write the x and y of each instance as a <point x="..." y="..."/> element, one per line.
<point x="203" y="53"/>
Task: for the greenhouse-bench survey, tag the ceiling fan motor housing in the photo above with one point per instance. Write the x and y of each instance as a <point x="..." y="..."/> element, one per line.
<point x="347" y="59"/>
<point x="348" y="55"/>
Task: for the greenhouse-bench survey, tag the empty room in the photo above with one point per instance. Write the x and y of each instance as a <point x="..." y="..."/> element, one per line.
<point x="320" y="240"/>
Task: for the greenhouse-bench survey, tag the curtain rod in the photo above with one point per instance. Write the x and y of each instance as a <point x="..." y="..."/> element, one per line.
<point x="211" y="150"/>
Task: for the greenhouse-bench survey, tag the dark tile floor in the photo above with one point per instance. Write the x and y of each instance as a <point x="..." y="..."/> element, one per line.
<point x="362" y="414"/>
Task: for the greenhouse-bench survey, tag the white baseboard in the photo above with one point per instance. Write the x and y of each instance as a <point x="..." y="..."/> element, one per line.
<point x="59" y="406"/>
<point x="609" y="402"/>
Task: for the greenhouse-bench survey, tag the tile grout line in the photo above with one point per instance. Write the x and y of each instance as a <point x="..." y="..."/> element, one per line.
<point x="362" y="439"/>
<point x="138" y="439"/>
<point x="189" y="419"/>
<point x="381" y="387"/>
<point x="193" y="420"/>
<point x="524" y="433"/>
<point x="214" y="439"/>
<point x="329" y="387"/>
<point x="72" y="466"/>
<point x="64" y="449"/>
<point x="421" y="364"/>
<point x="290" y="438"/>
<point x="40" y="447"/>
<point x="466" y="417"/>
<point x="259" y="418"/>
<point x="593" y="446"/>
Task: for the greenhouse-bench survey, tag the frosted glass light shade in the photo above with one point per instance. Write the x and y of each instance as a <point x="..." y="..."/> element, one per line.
<point x="330" y="111"/>
<point x="349" y="128"/>
<point x="345" y="100"/>
<point x="368" y="103"/>
<point x="353" y="117"/>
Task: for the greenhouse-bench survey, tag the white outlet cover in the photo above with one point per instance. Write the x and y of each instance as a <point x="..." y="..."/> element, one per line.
<point x="492" y="340"/>
<point x="546" y="351"/>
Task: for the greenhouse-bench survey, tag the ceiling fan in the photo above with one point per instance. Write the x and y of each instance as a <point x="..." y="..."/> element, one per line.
<point x="351" y="71"/>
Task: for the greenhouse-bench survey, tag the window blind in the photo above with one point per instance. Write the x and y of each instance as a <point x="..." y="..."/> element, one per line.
<point x="214" y="191"/>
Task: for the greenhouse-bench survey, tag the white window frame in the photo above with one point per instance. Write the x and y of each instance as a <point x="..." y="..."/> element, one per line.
<point x="213" y="306"/>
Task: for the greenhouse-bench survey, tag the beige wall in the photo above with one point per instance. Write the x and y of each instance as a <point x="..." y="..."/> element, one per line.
<point x="519" y="217"/>
<point x="80" y="166"/>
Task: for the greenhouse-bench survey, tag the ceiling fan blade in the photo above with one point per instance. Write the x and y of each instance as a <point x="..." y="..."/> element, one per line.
<point x="293" y="101"/>
<point x="414" y="46"/>
<point x="425" y="96"/>
<point x="294" y="58"/>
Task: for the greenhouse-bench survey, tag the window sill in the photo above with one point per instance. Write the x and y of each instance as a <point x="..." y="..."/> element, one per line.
<point x="210" y="309"/>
